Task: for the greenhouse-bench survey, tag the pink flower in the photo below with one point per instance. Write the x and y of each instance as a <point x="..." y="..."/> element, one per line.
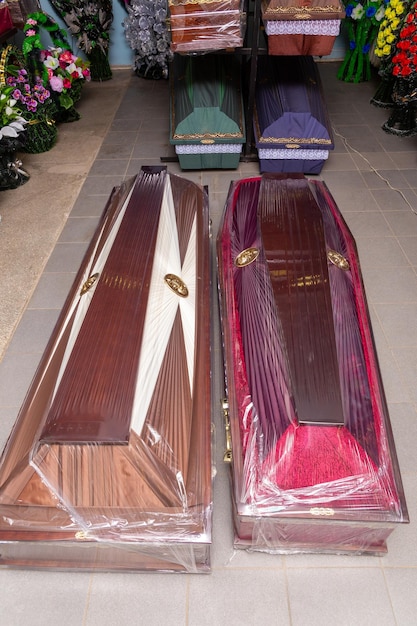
<point x="56" y="83"/>
<point x="30" y="32"/>
<point x="31" y="22"/>
<point x="67" y="56"/>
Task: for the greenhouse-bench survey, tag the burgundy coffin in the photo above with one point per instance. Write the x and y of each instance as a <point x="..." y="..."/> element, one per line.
<point x="314" y="467"/>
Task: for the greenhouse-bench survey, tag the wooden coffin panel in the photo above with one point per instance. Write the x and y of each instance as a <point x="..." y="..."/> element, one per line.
<point x="311" y="435"/>
<point x="199" y="26"/>
<point x="115" y="429"/>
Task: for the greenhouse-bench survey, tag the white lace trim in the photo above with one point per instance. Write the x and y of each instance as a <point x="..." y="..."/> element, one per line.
<point x="213" y="148"/>
<point x="305" y="27"/>
<point x="300" y="154"/>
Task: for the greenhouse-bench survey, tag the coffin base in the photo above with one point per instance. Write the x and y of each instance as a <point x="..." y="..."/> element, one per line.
<point x="304" y="166"/>
<point x="105" y="556"/>
<point x="206" y="161"/>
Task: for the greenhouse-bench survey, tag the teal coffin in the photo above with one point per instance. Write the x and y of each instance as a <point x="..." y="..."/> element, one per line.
<point x="207" y="122"/>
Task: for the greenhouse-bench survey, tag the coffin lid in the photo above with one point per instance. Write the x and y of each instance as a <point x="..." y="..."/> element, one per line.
<point x="206" y="100"/>
<point x="86" y="454"/>
<point x="290" y="110"/>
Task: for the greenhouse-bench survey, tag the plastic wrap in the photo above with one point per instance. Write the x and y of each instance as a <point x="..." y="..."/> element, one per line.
<point x="206" y="26"/>
<point x="314" y="467"/>
<point x="206" y="113"/>
<point x="291" y="124"/>
<point x="109" y="462"/>
<point x="295" y="27"/>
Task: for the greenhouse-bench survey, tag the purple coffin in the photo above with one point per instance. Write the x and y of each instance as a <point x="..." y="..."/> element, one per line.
<point x="291" y="123"/>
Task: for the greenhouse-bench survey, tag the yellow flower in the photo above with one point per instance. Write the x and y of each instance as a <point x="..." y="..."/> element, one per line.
<point x="390" y="38"/>
<point x="386" y="50"/>
<point x="395" y="23"/>
<point x="400" y="8"/>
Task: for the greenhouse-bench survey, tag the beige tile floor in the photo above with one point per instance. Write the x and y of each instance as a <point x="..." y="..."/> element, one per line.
<point x="44" y="231"/>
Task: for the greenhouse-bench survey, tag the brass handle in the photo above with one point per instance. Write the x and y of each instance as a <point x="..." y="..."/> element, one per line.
<point x="228" y="455"/>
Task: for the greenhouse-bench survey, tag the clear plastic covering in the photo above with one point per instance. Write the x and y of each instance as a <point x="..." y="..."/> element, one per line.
<point x="292" y="128"/>
<point x="314" y="465"/>
<point x="206" y="26"/>
<point x="109" y="462"/>
<point x="206" y="110"/>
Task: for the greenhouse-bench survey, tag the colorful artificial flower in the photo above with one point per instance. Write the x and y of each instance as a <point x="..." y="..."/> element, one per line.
<point x="404" y="61"/>
<point x="29" y="97"/>
<point x="390" y="26"/>
<point x="12" y="122"/>
<point x="363" y="20"/>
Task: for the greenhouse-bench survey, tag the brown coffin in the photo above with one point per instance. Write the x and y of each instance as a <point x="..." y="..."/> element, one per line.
<point x="108" y="465"/>
<point x="200" y="26"/>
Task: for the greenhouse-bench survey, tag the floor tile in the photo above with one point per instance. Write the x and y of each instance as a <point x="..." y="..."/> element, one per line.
<point x="37" y="598"/>
<point x="401" y="585"/>
<point x="339" y="596"/>
<point x="250" y="597"/>
<point x="129" y="599"/>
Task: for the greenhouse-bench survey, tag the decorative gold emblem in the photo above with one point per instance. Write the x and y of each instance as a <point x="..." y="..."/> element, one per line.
<point x="81" y="534"/>
<point x="292" y="146"/>
<point x="246" y="257"/>
<point x="89" y="283"/>
<point x="207" y="141"/>
<point x="177" y="285"/>
<point x="322" y="511"/>
<point x="338" y="259"/>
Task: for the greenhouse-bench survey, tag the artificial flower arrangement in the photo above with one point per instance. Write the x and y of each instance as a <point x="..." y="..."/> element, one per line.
<point x="12" y="137"/>
<point x="89" y="22"/>
<point x="402" y="120"/>
<point x="385" y="49"/>
<point x="30" y="97"/>
<point x="389" y="28"/>
<point x="61" y="71"/>
<point x="404" y="61"/>
<point x="12" y="123"/>
<point x="37" y="106"/>
<point x="64" y="72"/>
<point x="362" y="20"/>
<point x="147" y="33"/>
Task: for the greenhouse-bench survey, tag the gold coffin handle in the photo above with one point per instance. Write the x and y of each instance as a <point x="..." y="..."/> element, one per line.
<point x="228" y="456"/>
